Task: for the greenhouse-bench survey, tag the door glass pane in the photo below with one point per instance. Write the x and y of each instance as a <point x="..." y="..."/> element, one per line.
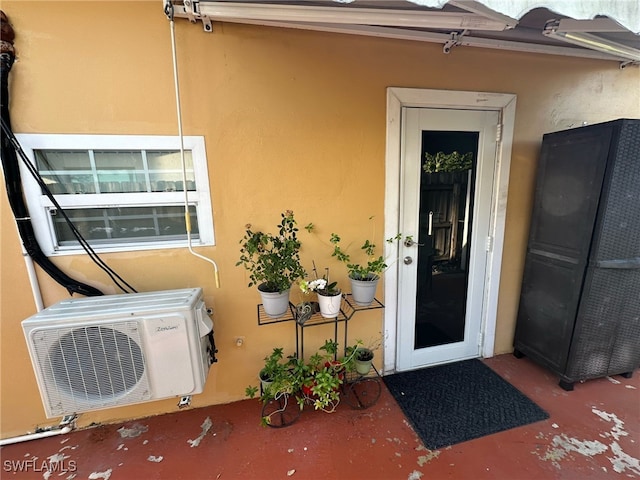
<point x="446" y="202"/>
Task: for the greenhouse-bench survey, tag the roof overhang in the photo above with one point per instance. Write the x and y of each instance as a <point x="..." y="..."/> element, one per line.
<point x="600" y="29"/>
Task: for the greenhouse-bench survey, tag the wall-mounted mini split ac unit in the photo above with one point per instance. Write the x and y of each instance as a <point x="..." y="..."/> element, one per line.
<point x="101" y="352"/>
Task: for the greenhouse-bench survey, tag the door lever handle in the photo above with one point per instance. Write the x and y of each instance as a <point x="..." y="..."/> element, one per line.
<point x="408" y="242"/>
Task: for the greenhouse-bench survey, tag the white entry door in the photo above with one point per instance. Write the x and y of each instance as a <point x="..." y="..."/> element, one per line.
<point x="447" y="166"/>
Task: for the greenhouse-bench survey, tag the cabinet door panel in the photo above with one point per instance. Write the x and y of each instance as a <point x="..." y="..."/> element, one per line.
<point x="567" y="192"/>
<point x="547" y="311"/>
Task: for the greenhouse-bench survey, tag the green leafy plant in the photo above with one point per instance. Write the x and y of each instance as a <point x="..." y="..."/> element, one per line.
<point x="364" y="354"/>
<point x="278" y="375"/>
<point x="375" y="264"/>
<point x="325" y="376"/>
<point x="316" y="382"/>
<point x="273" y="260"/>
<point x="272" y="365"/>
<point x="281" y="380"/>
<point x="447" y="162"/>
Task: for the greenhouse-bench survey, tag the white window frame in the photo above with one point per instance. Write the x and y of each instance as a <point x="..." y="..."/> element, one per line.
<point x="39" y="205"/>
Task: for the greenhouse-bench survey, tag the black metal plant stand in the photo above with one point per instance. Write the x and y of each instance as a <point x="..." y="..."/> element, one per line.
<point x="359" y="391"/>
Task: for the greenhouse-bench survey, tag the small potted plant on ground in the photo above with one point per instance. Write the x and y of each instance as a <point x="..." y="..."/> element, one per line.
<point x="364" y="277"/>
<point x="281" y="382"/>
<point x="329" y="295"/>
<point x="273" y="368"/>
<point x="273" y="261"/>
<point x="325" y="374"/>
<point x="321" y="386"/>
<point x="363" y="359"/>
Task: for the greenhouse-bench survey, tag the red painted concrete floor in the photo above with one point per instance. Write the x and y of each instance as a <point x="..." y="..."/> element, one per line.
<point x="593" y="432"/>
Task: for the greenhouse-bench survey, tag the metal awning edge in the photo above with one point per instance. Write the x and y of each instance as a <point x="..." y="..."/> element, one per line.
<point x="398" y="23"/>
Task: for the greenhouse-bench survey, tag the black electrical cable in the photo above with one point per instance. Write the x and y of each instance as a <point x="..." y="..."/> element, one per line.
<point x="16" y="201"/>
<point x="9" y="149"/>
<point x="83" y="242"/>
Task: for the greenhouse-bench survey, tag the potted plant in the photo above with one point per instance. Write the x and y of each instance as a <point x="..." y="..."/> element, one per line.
<point x="363" y="360"/>
<point x="362" y="356"/>
<point x="281" y="382"/>
<point x="321" y="386"/>
<point x="325" y="375"/>
<point x="329" y="295"/>
<point x="272" y="370"/>
<point x="273" y="261"/>
<point x="364" y="277"/>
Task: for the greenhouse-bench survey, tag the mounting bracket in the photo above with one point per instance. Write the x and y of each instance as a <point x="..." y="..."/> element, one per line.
<point x="185" y="401"/>
<point x="454" y="41"/>
<point x="68" y="420"/>
<point x="192" y="11"/>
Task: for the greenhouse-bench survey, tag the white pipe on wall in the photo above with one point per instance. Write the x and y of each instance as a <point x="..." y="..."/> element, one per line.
<point x="35" y="436"/>
<point x="187" y="218"/>
<point x="33" y="281"/>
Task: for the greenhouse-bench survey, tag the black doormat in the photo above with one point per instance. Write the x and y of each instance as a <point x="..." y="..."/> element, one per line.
<point x="453" y="403"/>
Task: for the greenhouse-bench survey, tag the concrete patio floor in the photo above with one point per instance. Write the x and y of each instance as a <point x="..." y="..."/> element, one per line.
<point x="593" y="432"/>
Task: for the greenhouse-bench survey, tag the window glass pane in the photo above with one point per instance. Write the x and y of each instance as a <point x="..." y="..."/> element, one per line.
<point x="165" y="171"/>
<point x="171" y="221"/>
<point x="168" y="160"/>
<point x="114" y="184"/>
<point x="138" y="224"/>
<point x="51" y="160"/>
<point x="120" y="160"/>
<point x="65" y="171"/>
<point x="114" y="171"/>
<point x="120" y="171"/>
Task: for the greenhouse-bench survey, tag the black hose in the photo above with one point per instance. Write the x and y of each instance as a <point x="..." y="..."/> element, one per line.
<point x="14" y="188"/>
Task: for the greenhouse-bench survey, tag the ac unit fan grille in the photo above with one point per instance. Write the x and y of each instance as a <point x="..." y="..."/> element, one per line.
<point x="96" y="362"/>
<point x="92" y="367"/>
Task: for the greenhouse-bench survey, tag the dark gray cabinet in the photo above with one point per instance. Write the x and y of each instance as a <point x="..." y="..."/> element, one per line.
<point x="579" y="312"/>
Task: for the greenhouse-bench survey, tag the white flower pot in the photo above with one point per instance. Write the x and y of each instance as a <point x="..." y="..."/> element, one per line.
<point x="363" y="291"/>
<point x="330" y="306"/>
<point x="275" y="304"/>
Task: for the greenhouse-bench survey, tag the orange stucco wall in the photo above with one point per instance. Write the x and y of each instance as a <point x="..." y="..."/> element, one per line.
<point x="292" y="120"/>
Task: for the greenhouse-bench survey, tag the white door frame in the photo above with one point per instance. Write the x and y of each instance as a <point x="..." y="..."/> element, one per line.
<point x="397" y="98"/>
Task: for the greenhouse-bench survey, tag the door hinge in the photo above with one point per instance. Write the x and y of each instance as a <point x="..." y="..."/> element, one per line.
<point x="480" y="340"/>
<point x="499" y="132"/>
<point x="489" y="244"/>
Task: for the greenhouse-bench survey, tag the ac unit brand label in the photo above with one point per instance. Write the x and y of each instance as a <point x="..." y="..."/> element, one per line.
<point x="166" y="328"/>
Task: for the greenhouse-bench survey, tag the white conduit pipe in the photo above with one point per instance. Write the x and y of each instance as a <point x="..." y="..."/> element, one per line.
<point x="33" y="281"/>
<point x="187" y="217"/>
<point x="34" y="436"/>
